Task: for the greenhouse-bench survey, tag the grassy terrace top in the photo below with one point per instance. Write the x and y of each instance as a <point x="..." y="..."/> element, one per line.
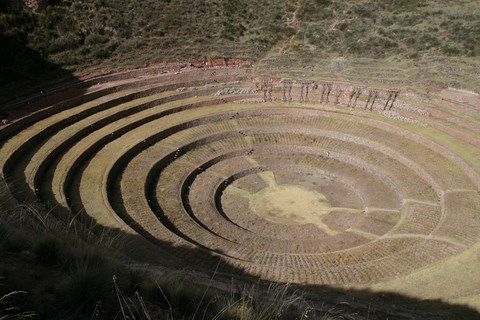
<point x="119" y="34"/>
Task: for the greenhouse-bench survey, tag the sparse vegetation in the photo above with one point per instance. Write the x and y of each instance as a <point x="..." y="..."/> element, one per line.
<point x="386" y="28"/>
<point x="79" y="34"/>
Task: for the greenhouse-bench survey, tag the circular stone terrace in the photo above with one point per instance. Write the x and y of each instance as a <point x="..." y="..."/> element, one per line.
<point x="303" y="192"/>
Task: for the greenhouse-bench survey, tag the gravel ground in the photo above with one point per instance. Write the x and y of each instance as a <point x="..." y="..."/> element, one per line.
<point x="396" y="116"/>
<point x="234" y="90"/>
<point x="253" y="100"/>
<point x="406" y="107"/>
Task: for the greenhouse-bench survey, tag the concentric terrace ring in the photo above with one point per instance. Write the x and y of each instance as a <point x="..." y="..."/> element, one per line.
<point x="306" y="193"/>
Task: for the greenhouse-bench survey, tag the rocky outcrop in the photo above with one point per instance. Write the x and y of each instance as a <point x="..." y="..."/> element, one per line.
<point x="34" y="5"/>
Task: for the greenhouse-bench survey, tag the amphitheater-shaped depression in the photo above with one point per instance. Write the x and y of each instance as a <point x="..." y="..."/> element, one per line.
<point x="295" y="192"/>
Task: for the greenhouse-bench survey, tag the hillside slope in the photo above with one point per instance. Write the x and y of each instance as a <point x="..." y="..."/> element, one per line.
<point x="118" y="33"/>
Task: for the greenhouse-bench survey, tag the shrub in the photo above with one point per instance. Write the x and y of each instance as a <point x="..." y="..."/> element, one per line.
<point x="96" y="39"/>
<point x="365" y="10"/>
<point x="451" y="50"/>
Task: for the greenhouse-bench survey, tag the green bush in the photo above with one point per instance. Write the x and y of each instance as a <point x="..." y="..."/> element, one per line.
<point x="365" y="10"/>
<point x="451" y="50"/>
<point x="96" y="39"/>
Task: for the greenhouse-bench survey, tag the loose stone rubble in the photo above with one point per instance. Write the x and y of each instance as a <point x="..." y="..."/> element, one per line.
<point x="234" y="90"/>
<point x="396" y="116"/>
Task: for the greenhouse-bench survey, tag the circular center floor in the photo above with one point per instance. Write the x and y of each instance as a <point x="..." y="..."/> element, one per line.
<point x="290" y="205"/>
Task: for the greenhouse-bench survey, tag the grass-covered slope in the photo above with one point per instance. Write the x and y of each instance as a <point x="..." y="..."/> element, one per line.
<point x="402" y="43"/>
<point x="388" y="27"/>
<point x="132" y="33"/>
<point x="78" y="33"/>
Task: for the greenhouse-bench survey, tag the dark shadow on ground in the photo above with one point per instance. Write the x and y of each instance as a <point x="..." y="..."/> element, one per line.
<point x="29" y="82"/>
<point x="23" y="71"/>
<point x="350" y="304"/>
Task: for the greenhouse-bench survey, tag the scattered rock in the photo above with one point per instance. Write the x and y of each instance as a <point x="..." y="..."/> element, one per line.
<point x="410" y="108"/>
<point x="396" y="116"/>
<point x="234" y="90"/>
